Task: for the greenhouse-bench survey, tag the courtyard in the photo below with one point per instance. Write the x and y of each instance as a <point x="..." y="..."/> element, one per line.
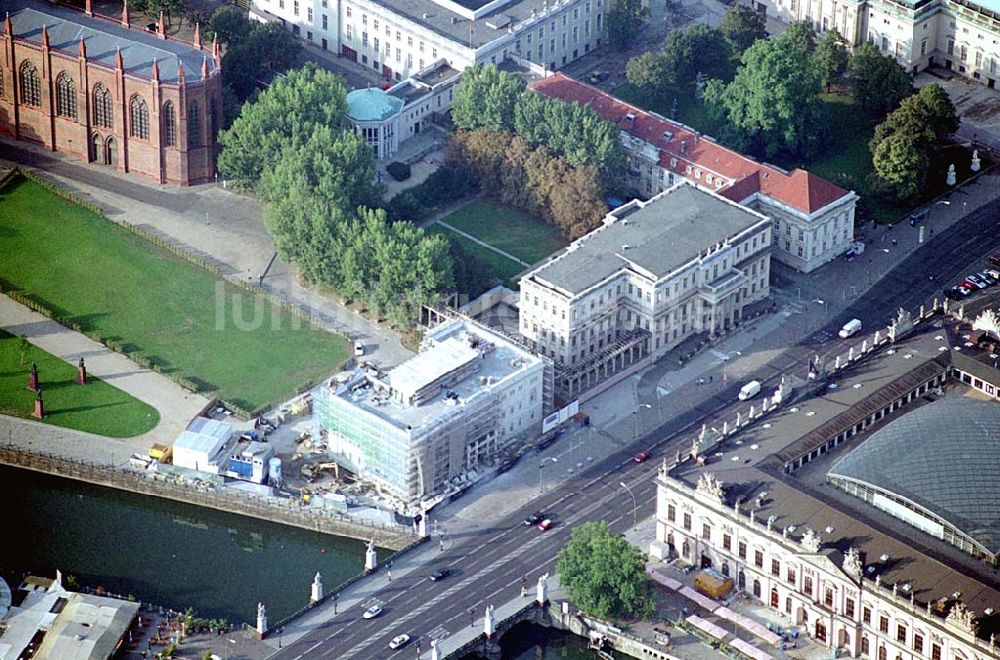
<point x="506" y="241"/>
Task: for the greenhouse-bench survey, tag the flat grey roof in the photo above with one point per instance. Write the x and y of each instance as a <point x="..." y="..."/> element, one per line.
<point x="436" y="73"/>
<point x="103" y="37"/>
<point x="426" y="367"/>
<point x="657" y="236"/>
<point x="502" y="361"/>
<point x="462" y="30"/>
<point x="945" y="457"/>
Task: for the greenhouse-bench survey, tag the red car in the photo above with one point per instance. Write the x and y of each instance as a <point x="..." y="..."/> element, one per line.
<point x="545" y="524"/>
<point x="642" y="457"/>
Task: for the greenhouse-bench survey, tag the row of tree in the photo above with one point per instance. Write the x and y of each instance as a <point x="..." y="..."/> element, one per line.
<point x="494" y="100"/>
<point x="531" y="179"/>
<point x="292" y="146"/>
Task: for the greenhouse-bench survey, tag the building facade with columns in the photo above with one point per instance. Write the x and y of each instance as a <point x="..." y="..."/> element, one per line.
<point x="109" y="93"/>
<point x="685" y="262"/>
<point x="397" y="38"/>
<point x="960" y="35"/>
<point x="813" y="218"/>
<point x="858" y="577"/>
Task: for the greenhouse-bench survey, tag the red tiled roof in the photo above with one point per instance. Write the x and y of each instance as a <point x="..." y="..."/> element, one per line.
<point x="682" y="147"/>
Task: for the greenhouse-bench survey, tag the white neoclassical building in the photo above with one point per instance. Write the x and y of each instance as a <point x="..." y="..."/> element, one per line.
<point x="865" y="578"/>
<point x="813" y="218"/>
<point x="960" y="35"/>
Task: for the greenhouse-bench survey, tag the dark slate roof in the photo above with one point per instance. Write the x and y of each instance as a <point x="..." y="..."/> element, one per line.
<point x="659" y="236"/>
<point x="103" y="38"/>
<point x="945" y="457"/>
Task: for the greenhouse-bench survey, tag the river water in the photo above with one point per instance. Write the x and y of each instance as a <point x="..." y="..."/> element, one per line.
<point x="179" y="556"/>
<point x="168" y="553"/>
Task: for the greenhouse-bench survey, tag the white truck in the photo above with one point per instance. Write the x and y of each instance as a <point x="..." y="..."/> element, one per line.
<point x="750" y="390"/>
<point x="850" y="328"/>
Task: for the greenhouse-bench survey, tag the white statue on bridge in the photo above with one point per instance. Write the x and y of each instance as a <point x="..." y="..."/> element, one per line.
<point x="489" y="625"/>
<point x="540" y="592"/>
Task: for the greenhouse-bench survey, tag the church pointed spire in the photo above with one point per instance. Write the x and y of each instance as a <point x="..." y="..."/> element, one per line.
<point x="161" y="27"/>
<point x="119" y="63"/>
<point x="180" y="72"/>
<point x="156" y="71"/>
<point x="125" y="17"/>
<point x="197" y="35"/>
<point x="83" y="49"/>
<point x="45" y="37"/>
<point x="204" y="69"/>
<point x="88" y="8"/>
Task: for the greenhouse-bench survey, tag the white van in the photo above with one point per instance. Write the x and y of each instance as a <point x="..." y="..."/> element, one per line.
<point x="850" y="328"/>
<point x="750" y="390"/>
<point x="359" y="348"/>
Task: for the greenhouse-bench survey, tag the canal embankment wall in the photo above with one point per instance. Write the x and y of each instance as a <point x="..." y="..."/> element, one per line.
<point x="285" y="512"/>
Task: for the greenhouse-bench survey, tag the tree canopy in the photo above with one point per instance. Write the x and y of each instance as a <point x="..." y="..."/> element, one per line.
<point x="572" y="131"/>
<point x="802" y="34"/>
<point x="905" y="142"/>
<point x="624" y="21"/>
<point x="698" y="49"/>
<point x="605" y="574"/>
<point x="877" y="81"/>
<point x="485" y="98"/>
<point x="831" y="58"/>
<point x="648" y="72"/>
<point x="742" y="26"/>
<point x="283" y="114"/>
<point x="773" y="103"/>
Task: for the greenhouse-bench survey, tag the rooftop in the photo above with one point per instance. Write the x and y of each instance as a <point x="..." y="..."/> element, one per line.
<point x="372" y="104"/>
<point x="750" y="462"/>
<point x="655" y="237"/>
<point x="682" y="145"/>
<point x="104" y="37"/>
<point x="473" y="23"/>
<point x="204" y="435"/>
<point x="906" y="459"/>
<point x="493" y="359"/>
<point x="74" y="626"/>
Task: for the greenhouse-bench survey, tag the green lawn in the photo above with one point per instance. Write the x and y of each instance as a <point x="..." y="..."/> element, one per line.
<point x="497" y="265"/>
<point x="96" y="407"/>
<point x="184" y="319"/>
<point x="527" y="238"/>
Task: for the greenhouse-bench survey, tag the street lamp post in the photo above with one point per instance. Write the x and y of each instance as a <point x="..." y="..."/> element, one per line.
<point x="540" y="466"/>
<point x="635" y="505"/>
<point x="635" y="413"/>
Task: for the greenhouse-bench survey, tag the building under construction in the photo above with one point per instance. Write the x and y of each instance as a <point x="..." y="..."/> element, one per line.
<point x="442" y="415"/>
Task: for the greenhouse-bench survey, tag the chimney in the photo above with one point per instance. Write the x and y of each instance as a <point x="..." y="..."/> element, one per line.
<point x="125" y="19"/>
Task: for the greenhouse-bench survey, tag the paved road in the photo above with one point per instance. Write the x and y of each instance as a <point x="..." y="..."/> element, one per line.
<point x="489" y="564"/>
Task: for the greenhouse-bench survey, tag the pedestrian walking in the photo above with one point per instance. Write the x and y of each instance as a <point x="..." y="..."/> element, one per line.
<point x="389" y="574"/>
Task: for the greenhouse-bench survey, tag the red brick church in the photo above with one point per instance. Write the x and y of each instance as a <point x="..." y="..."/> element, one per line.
<point x="121" y="96"/>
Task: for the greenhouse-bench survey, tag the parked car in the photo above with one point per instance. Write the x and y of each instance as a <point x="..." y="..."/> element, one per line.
<point x="985" y="275"/>
<point x="440" y="574"/>
<point x="995" y="260"/>
<point x="642" y="457"/>
<point x="957" y="292"/>
<point x="372" y="612"/>
<point x="545" y="525"/>
<point x="359" y="348"/>
<point x="995" y="274"/>
<point x="970" y="285"/>
<point x="533" y="519"/>
<point x="399" y="641"/>
<point x="978" y="281"/>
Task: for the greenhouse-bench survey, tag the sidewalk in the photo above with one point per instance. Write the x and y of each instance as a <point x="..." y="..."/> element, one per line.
<point x="176" y="405"/>
<point x="218" y="225"/>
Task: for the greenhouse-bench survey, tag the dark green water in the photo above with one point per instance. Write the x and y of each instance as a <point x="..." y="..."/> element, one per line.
<point x="164" y="552"/>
